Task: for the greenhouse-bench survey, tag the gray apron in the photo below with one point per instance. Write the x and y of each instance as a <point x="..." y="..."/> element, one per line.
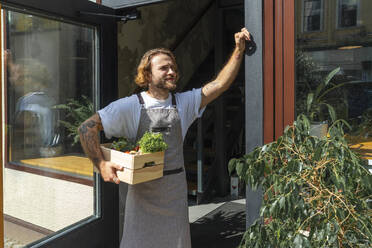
<point x="156" y="212"/>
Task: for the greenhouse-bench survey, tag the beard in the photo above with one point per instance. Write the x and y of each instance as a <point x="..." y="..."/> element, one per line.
<point x="166" y="85"/>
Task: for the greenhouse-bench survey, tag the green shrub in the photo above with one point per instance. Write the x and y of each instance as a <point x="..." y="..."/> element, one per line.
<point x="317" y="192"/>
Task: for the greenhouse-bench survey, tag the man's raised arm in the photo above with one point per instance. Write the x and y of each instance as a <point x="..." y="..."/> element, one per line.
<point x="89" y="140"/>
<point x="229" y="72"/>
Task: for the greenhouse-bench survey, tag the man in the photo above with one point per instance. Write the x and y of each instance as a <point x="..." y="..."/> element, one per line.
<point x="156" y="213"/>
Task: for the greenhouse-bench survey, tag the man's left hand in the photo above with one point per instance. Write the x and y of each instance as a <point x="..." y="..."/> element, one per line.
<point x="241" y="37"/>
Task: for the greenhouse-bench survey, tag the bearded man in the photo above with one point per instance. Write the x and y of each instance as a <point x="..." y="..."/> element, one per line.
<point x="156" y="212"/>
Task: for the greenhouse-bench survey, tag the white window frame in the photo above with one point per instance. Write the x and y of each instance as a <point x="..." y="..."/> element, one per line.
<point x="304" y="30"/>
<point x="338" y="15"/>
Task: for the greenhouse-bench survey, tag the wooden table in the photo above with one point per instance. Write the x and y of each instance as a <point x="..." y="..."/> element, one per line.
<point x="364" y="147"/>
<point x="71" y="164"/>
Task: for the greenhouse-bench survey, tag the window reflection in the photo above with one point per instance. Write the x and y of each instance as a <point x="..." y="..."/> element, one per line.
<point x="35" y="121"/>
<point x="312" y="17"/>
<point x="49" y="75"/>
<point x="49" y="69"/>
<point x="348" y="13"/>
<point x="342" y="46"/>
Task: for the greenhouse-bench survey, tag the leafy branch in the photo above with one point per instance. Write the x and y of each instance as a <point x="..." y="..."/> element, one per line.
<point x="317" y="192"/>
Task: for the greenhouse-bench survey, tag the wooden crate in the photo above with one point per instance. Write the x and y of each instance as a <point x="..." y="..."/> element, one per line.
<point x="141" y="175"/>
<point x="137" y="168"/>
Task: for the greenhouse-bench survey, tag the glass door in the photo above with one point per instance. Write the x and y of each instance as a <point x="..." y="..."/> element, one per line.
<point x="51" y="74"/>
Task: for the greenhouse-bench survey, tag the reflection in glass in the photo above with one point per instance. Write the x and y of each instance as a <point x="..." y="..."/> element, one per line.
<point x="348" y="13"/>
<point x="312" y="17"/>
<point x="49" y="69"/>
<point x="346" y="51"/>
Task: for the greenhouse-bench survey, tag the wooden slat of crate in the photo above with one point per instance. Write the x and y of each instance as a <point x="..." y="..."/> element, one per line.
<point x="141" y="175"/>
<point x="72" y="164"/>
<point x="131" y="161"/>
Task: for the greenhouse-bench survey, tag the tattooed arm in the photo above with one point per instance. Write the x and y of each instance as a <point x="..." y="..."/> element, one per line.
<point x="89" y="131"/>
<point x="229" y="72"/>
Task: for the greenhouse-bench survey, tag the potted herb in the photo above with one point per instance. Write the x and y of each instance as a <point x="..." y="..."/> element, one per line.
<point x="317" y="191"/>
<point x="319" y="98"/>
<point x="319" y="104"/>
<point x="123" y="145"/>
<point x="152" y="142"/>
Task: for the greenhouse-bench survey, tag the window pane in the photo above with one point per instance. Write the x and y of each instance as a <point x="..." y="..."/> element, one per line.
<point x="49" y="84"/>
<point x="348" y="13"/>
<point x="349" y="53"/>
<point x="312" y="15"/>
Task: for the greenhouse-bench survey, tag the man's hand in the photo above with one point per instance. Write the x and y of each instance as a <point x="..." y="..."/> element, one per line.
<point x="108" y="171"/>
<point x="240" y="39"/>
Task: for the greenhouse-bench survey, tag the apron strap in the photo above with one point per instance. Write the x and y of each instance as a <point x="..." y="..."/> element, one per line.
<point x="174" y="100"/>
<point x="140" y="99"/>
<point x="171" y="172"/>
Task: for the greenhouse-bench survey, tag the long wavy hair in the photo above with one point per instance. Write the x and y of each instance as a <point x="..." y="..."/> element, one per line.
<point x="143" y="76"/>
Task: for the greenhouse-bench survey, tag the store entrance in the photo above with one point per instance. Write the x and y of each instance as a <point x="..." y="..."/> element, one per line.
<point x="219" y="135"/>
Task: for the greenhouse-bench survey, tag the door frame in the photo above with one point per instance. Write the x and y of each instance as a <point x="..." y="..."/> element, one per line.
<point x="270" y="85"/>
<point x="102" y="231"/>
<point x="279" y="67"/>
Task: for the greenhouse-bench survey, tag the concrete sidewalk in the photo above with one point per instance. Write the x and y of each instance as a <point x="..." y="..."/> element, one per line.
<point x="219" y="224"/>
<point x="198" y="211"/>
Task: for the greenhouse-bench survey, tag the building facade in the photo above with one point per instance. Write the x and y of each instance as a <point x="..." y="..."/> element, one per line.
<point x="64" y="59"/>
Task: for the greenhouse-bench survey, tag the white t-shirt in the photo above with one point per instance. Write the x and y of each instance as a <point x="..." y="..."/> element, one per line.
<point x="121" y="117"/>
